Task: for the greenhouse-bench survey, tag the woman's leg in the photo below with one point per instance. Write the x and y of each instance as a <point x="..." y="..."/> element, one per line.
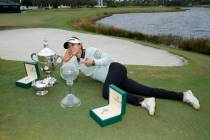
<point x="117" y="75"/>
<point x="134" y="87"/>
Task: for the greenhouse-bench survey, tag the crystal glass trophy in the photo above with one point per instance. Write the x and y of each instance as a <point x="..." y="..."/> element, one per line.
<point x="69" y="73"/>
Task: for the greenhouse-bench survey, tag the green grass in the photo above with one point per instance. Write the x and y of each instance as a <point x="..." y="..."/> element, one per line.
<point x="25" y="116"/>
<point x="62" y="18"/>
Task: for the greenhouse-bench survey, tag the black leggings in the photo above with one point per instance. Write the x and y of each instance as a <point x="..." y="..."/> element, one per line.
<point x="117" y="75"/>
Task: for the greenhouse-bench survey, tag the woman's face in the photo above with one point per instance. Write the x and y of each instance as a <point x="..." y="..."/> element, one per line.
<point x="75" y="49"/>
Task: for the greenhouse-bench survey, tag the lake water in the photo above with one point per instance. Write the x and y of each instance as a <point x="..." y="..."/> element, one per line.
<point x="192" y="23"/>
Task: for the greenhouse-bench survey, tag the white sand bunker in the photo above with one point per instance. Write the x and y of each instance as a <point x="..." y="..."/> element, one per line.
<point x="18" y="44"/>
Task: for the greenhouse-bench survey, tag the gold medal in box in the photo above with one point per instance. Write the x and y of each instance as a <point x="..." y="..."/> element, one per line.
<point x="112" y="112"/>
<point x="32" y="74"/>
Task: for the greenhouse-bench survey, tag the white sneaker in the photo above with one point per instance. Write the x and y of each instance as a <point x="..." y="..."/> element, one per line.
<point x="189" y="98"/>
<point x="149" y="104"/>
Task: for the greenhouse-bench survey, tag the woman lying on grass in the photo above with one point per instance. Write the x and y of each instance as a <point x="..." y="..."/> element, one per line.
<point x="99" y="66"/>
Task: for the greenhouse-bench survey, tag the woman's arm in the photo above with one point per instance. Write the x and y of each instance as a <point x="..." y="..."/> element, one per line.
<point x="101" y="58"/>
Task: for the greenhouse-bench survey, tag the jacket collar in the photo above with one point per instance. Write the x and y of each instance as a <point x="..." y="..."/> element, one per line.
<point x="82" y="55"/>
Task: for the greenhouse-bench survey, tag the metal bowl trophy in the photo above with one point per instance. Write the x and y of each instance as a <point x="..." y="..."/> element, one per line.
<point x="69" y="73"/>
<point x="47" y="60"/>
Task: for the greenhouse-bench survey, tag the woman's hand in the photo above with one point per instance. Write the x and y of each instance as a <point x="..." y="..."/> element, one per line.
<point x="68" y="55"/>
<point x="88" y="62"/>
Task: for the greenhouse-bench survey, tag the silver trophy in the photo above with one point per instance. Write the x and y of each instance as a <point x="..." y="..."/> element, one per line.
<point x="69" y="73"/>
<point x="41" y="87"/>
<point x="47" y="60"/>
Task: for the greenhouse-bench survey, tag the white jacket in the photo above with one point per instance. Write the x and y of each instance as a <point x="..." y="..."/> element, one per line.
<point x="102" y="63"/>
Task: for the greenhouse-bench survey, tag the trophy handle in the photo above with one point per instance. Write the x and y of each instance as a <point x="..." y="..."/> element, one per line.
<point x="32" y="56"/>
<point x="59" y="59"/>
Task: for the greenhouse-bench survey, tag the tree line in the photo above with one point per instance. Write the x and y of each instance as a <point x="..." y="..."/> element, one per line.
<point x="112" y="3"/>
<point x="56" y="3"/>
